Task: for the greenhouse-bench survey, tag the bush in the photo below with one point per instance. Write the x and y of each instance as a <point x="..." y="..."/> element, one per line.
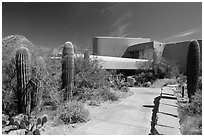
<point x="166" y="69"/>
<point x="195" y="106"/>
<point x="199" y="87"/>
<point x="89" y="73"/>
<point x="106" y="94"/>
<point x="191" y="115"/>
<point x="73" y="112"/>
<point x="142" y="78"/>
<point x="192" y="125"/>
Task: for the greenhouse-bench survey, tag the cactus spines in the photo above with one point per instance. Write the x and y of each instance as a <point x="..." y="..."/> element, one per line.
<point x="193" y="62"/>
<point x="23" y="73"/>
<point x="67" y="69"/>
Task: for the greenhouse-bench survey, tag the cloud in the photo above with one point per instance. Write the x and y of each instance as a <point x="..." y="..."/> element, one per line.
<point x="121" y="19"/>
<point x="113" y="8"/>
<point x="120" y="31"/>
<point x="183" y="34"/>
<point x="121" y="16"/>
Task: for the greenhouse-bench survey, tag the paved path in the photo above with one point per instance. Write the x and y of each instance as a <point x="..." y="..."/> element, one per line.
<point x="132" y="116"/>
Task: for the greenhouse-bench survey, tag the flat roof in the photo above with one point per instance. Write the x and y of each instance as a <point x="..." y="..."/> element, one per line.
<point x="118" y="62"/>
<point x="120" y="37"/>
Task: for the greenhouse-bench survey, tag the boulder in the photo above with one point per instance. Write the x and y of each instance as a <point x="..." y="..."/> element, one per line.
<point x="148" y="84"/>
<point x="17" y="132"/>
<point x="131" y="81"/>
<point x="7" y="129"/>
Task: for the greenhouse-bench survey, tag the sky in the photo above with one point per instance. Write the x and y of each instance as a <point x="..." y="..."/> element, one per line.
<point x="52" y="24"/>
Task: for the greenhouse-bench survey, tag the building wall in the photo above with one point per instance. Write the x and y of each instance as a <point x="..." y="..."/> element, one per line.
<point x="143" y="48"/>
<point x="177" y="52"/>
<point x="114" y="46"/>
<point x="140" y="51"/>
<point x="158" y="50"/>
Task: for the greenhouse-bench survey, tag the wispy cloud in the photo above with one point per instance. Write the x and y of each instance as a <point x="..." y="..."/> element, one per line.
<point x="121" y="19"/>
<point x="111" y="9"/>
<point x="183" y="34"/>
<point x="121" y="16"/>
<point x="120" y="31"/>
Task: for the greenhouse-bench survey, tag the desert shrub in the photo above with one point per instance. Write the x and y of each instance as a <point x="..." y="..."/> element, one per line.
<point x="166" y="69"/>
<point x="195" y="106"/>
<point x="192" y="125"/>
<point x="106" y="94"/>
<point x="83" y="94"/>
<point x="89" y="73"/>
<point x="191" y="115"/>
<point x="91" y="81"/>
<point x="143" y="77"/>
<point x="73" y="112"/>
<point x="52" y="80"/>
<point x="199" y="86"/>
<point x="117" y="82"/>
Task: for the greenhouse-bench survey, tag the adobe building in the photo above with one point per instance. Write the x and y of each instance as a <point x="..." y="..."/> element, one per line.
<point x="114" y="46"/>
<point x="143" y="49"/>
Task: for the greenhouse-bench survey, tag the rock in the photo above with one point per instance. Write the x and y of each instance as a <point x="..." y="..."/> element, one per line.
<point x="5" y="117"/>
<point x="148" y="84"/>
<point x="6" y="129"/>
<point x="19" y="118"/>
<point x="18" y="132"/>
<point x="131" y="81"/>
<point x="5" y="120"/>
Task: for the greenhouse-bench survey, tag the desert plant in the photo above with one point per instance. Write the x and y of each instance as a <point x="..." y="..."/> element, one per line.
<point x="86" y="54"/>
<point x="166" y="69"/>
<point x="67" y="69"/>
<point x="10" y="45"/>
<point x="192" y="69"/>
<point x="39" y="74"/>
<point x="89" y="73"/>
<point x="106" y="94"/>
<point x="30" y="124"/>
<point x="190" y="115"/>
<point x="23" y="74"/>
<point x="73" y="112"/>
<point x="144" y="77"/>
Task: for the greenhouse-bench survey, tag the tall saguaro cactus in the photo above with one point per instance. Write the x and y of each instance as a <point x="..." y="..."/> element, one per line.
<point x="86" y="54"/>
<point x="23" y="73"/>
<point x="193" y="62"/>
<point x="67" y="69"/>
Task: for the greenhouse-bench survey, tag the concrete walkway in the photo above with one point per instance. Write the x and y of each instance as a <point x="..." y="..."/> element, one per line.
<point x="132" y="116"/>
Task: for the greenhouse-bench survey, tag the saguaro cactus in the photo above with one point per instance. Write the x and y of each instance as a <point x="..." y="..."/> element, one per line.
<point x="86" y="54"/>
<point x="23" y="73"/>
<point x="67" y="70"/>
<point x="193" y="62"/>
